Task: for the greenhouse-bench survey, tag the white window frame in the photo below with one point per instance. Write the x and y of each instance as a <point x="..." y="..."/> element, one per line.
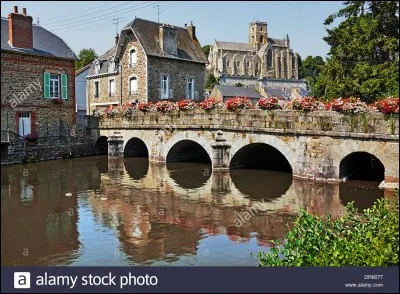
<point x="53" y="83"/>
<point x="97" y="67"/>
<point x="135" y="91"/>
<point x="110" y="93"/>
<point x="190" y="94"/>
<point x="164" y="89"/>
<point x="132" y="57"/>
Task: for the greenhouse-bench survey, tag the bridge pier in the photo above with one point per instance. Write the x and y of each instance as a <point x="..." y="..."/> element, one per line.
<point x="220" y="148"/>
<point x="115" y="146"/>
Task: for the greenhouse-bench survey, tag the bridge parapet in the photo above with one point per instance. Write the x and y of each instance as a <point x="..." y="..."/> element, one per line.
<point x="330" y="123"/>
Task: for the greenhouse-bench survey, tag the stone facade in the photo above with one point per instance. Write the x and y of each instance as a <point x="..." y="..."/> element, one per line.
<point x="314" y="144"/>
<point x="159" y="50"/>
<point x="22" y="79"/>
<point x="179" y="72"/>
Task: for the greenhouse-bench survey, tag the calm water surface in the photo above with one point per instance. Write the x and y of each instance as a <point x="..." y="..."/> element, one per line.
<point x="95" y="211"/>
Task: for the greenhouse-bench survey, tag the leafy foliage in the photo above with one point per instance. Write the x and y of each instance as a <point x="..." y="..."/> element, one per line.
<point x="364" y="58"/>
<point x="368" y="239"/>
<point x="311" y="67"/>
<point x="86" y="56"/>
<point x="211" y="81"/>
<point x="206" y="50"/>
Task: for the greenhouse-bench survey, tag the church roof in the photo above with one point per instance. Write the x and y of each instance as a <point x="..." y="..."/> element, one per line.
<point x="234" y="46"/>
<point x="277" y="42"/>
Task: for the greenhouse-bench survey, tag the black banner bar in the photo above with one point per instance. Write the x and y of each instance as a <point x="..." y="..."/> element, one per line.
<point x="199" y="280"/>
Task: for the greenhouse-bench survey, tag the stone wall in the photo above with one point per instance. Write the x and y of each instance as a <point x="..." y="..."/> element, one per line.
<point x="48" y="152"/>
<point x="179" y="71"/>
<point x="22" y="90"/>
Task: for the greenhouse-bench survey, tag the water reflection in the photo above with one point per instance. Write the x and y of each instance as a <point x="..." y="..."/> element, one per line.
<point x="129" y="211"/>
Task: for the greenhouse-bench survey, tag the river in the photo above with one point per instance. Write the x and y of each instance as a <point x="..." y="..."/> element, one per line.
<point x="100" y="212"/>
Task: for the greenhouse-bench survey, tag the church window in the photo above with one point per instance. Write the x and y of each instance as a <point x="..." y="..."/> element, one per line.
<point x="269" y="58"/>
<point x="238" y="63"/>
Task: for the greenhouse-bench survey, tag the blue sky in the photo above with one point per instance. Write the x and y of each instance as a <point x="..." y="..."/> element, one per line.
<point x="84" y="24"/>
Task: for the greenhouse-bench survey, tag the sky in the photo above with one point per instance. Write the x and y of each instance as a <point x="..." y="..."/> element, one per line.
<point x="91" y="24"/>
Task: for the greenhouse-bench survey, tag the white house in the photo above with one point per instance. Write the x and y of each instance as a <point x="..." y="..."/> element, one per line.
<point x="80" y="89"/>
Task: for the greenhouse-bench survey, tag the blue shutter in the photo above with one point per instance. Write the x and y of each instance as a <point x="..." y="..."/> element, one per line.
<point x="64" y="86"/>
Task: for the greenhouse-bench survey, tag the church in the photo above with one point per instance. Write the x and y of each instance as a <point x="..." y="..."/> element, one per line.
<point x="263" y="64"/>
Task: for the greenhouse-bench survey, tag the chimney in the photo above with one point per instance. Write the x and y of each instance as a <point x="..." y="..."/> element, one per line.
<point x="20" y="33"/>
<point x="168" y="39"/>
<point x="192" y="31"/>
<point x="116" y="39"/>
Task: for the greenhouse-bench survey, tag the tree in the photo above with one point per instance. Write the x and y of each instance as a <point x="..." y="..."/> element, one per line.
<point x="239" y="85"/>
<point x="86" y="56"/>
<point x="206" y="50"/>
<point x="211" y="81"/>
<point x="310" y="68"/>
<point x="363" y="59"/>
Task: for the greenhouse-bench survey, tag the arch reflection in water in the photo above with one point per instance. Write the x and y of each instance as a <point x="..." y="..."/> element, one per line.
<point x="189" y="175"/>
<point x="260" y="156"/>
<point x="136" y="168"/>
<point x="261" y="184"/>
<point x="363" y="193"/>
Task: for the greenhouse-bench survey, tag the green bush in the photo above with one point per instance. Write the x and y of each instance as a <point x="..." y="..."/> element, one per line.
<point x="368" y="239"/>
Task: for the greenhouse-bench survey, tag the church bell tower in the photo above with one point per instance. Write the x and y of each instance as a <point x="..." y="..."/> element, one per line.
<point x="258" y="34"/>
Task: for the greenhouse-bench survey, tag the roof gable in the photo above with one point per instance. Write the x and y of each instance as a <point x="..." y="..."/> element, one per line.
<point x="231" y="91"/>
<point x="147" y="33"/>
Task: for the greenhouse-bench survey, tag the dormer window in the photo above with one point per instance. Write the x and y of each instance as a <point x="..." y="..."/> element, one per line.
<point x="97" y="67"/>
<point x="132" y="58"/>
<point x="111" y="66"/>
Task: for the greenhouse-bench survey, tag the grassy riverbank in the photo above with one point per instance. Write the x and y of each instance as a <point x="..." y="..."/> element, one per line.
<point x="370" y="238"/>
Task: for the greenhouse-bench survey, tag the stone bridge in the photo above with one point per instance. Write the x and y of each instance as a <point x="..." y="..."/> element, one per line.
<point x="322" y="145"/>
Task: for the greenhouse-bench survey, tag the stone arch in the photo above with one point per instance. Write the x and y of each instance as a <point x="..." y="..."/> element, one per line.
<point x="135" y="147"/>
<point x="247" y="64"/>
<point x="101" y="145"/>
<point x="270" y="140"/>
<point x="361" y="166"/>
<point x="381" y="152"/>
<point x="190" y="136"/>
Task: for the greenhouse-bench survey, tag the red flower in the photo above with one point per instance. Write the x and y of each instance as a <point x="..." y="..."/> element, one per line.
<point x="388" y="105"/>
<point x="238" y="103"/>
<point x="268" y="103"/>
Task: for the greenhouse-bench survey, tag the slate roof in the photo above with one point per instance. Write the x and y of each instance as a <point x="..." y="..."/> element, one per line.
<point x="108" y="53"/>
<point x="81" y="70"/>
<point x="45" y="43"/>
<point x="231" y="91"/>
<point x="247" y="47"/>
<point x="104" y="65"/>
<point x="234" y="46"/>
<point x="147" y="33"/>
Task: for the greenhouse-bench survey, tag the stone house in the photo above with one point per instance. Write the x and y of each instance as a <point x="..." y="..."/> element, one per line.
<point x="149" y="61"/>
<point x="37" y="79"/>
<point x="223" y="93"/>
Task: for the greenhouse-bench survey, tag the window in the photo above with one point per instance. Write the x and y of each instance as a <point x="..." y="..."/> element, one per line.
<point x="261" y="39"/>
<point x="111" y="88"/>
<point x="227" y="63"/>
<point x="96" y="89"/>
<point x="269" y="58"/>
<point x="133" y="86"/>
<point x="261" y="29"/>
<point x="248" y="64"/>
<point x="54" y="86"/>
<point x="132" y="58"/>
<point x="190" y="88"/>
<point x="164" y="87"/>
<point x="238" y="63"/>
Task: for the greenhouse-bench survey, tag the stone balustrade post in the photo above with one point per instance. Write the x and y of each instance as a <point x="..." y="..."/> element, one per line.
<point x="220" y="147"/>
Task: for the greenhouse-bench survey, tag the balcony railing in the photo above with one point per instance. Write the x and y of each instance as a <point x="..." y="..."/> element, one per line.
<point x="111" y="94"/>
<point x="133" y="92"/>
<point x="132" y="65"/>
